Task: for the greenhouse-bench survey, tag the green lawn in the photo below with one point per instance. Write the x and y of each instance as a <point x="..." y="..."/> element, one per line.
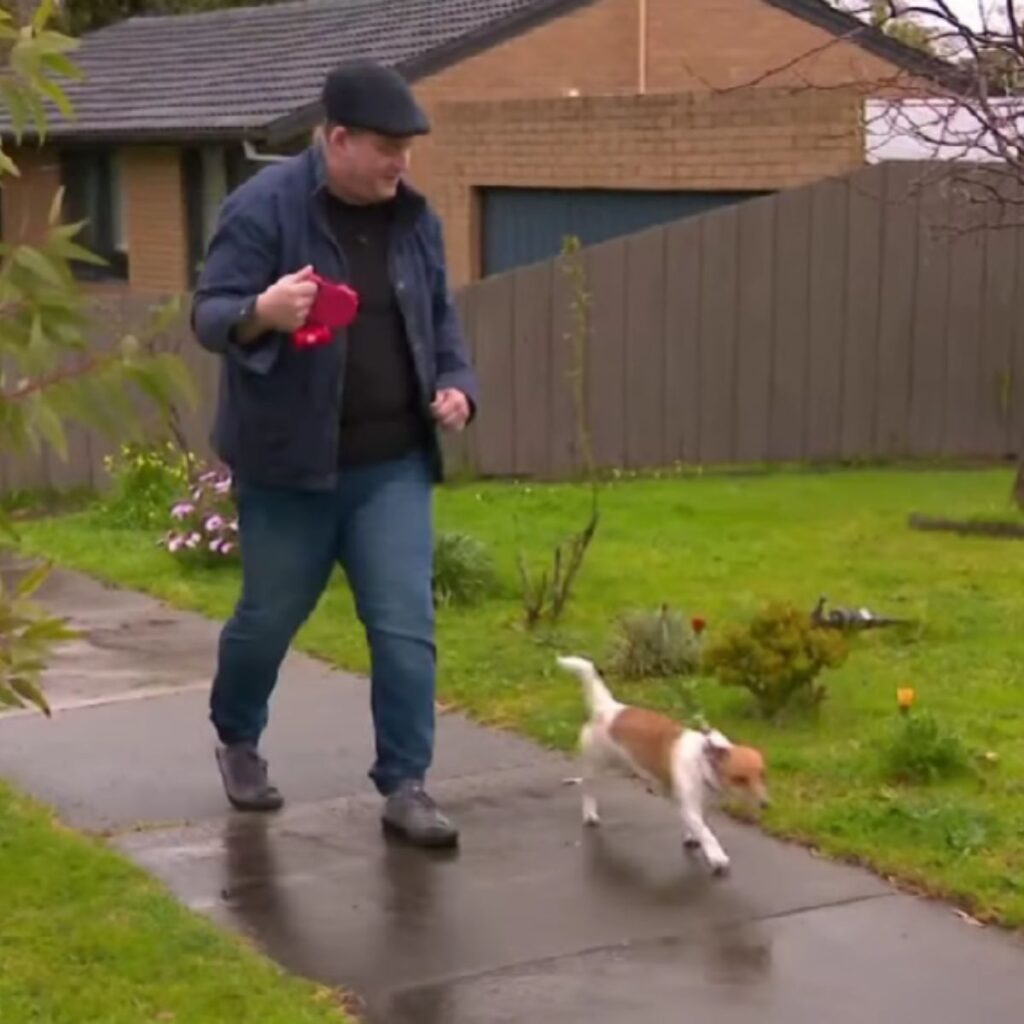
<point x="87" y="937"/>
<point x="720" y="546"/>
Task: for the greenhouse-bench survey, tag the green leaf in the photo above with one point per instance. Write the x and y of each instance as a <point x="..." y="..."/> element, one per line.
<point x="42" y="16"/>
<point x="50" y="630"/>
<point x="70" y="251"/>
<point x="32" y="581"/>
<point x="37" y="112"/>
<point x="165" y="316"/>
<point x="64" y="232"/>
<point x="50" y="42"/>
<point x="62" y="65"/>
<point x="53" y="218"/>
<point x="49" y="425"/>
<point x="59" y="97"/>
<point x="36" y="263"/>
<point x="179" y="376"/>
<point x="16" y="105"/>
<point x="29" y="690"/>
<point x="8" y="166"/>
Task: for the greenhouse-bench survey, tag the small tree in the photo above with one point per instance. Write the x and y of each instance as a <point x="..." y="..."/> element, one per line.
<point x="546" y="594"/>
<point x="50" y="372"/>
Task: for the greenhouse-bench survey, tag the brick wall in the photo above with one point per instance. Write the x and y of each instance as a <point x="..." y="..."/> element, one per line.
<point x="27" y="199"/>
<point x="717" y="44"/>
<point x="155" y="218"/>
<point x="593" y="49"/>
<point x="754" y="139"/>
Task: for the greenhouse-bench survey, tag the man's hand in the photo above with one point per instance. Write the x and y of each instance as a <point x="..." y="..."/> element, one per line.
<point x="450" y="408"/>
<point x="284" y="306"/>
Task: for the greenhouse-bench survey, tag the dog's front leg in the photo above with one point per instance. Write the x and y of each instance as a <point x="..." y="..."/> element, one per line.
<point x="697" y="834"/>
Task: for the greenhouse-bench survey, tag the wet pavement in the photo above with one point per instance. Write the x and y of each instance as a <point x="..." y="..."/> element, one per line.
<point x="531" y="920"/>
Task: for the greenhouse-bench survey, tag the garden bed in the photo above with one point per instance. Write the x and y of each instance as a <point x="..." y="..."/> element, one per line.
<point x="1008" y="529"/>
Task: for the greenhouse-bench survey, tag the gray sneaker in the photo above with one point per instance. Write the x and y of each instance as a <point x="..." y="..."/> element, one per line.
<point x="244" y="774"/>
<point x="410" y="813"/>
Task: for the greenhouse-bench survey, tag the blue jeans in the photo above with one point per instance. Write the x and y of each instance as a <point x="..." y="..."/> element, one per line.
<point x="378" y="525"/>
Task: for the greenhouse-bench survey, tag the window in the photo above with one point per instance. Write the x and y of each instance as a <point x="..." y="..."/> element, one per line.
<point x="93" y="195"/>
<point x="209" y="173"/>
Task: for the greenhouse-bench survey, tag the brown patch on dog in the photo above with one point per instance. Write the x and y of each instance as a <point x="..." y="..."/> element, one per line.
<point x="648" y="738"/>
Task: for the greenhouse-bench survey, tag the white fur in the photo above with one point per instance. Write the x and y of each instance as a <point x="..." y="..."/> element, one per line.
<point x="692" y="764"/>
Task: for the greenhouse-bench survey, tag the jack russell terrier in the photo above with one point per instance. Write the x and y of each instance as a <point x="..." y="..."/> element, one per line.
<point x="675" y="760"/>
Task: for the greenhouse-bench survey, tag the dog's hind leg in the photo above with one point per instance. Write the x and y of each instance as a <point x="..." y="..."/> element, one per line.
<point x="591" y="759"/>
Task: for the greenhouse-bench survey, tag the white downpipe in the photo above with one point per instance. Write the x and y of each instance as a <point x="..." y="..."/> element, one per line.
<point x="641" y="71"/>
<point x="254" y="156"/>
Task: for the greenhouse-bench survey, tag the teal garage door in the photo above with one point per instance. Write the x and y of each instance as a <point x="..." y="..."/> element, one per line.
<point x="528" y="225"/>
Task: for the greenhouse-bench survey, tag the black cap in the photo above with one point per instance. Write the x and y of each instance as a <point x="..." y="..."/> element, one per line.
<point x="367" y="95"/>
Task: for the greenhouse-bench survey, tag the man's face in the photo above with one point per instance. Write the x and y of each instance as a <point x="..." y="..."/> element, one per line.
<point x="365" y="167"/>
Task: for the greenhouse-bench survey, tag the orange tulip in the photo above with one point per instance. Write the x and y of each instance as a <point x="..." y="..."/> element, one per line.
<point x="905" y="697"/>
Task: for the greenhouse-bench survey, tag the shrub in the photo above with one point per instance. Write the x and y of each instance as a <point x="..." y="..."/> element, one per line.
<point x="655" y="644"/>
<point x="777" y="657"/>
<point x="922" y="750"/>
<point x="145" y="477"/>
<point x="464" y="571"/>
<point x="205" y="530"/>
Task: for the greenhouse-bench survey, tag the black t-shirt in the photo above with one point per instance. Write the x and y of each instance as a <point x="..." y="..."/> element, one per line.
<point x="381" y="414"/>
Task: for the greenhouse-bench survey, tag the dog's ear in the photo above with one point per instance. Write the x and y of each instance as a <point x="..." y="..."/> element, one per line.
<point x="716" y="746"/>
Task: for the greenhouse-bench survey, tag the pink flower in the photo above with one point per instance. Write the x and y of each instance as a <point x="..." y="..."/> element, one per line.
<point x="214" y="523"/>
<point x="193" y="540"/>
<point x="208" y="477"/>
<point x="182" y="509"/>
<point x="227" y="547"/>
<point x="233" y="525"/>
<point x="223" y="486"/>
<point x="215" y="546"/>
<point x="174" y="544"/>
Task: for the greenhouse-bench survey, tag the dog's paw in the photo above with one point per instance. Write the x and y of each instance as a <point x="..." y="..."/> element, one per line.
<point x="720" y="867"/>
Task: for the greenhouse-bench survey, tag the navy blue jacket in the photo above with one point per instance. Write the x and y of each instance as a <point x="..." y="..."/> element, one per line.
<point x="279" y="407"/>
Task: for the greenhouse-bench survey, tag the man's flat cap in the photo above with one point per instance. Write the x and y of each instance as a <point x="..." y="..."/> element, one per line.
<point x="367" y="95"/>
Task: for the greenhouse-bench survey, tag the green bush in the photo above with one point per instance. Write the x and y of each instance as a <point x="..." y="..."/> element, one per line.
<point x="145" y="480"/>
<point x="464" y="572"/>
<point x="922" y="750"/>
<point x="777" y="657"/>
<point x="655" y="645"/>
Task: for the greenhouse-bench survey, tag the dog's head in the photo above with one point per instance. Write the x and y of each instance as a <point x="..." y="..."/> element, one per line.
<point x="739" y="770"/>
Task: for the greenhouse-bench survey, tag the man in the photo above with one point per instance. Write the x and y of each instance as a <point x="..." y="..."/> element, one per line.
<point x="334" y="448"/>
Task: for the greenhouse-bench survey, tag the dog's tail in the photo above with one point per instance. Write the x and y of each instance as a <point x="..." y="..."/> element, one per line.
<point x="598" y="697"/>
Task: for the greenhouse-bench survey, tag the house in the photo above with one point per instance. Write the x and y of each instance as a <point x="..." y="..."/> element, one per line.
<point x="597" y="117"/>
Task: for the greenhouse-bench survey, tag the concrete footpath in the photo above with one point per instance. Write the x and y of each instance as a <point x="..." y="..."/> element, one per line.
<point x="532" y="920"/>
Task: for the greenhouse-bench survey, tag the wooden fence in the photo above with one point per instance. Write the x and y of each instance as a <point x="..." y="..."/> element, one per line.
<point x="873" y="316"/>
